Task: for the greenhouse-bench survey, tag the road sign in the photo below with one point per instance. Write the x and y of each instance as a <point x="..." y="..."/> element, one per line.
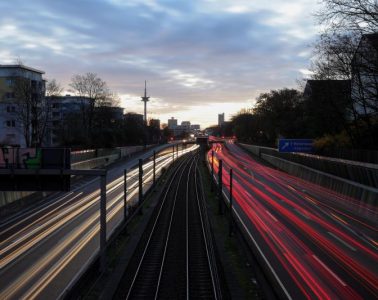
<point x="295" y="145"/>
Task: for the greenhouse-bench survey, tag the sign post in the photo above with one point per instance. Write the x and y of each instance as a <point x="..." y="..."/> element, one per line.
<point x="295" y="145"/>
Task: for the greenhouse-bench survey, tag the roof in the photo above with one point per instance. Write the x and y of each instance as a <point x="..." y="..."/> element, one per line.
<point x="373" y="39"/>
<point x="22" y="67"/>
<point x="325" y="85"/>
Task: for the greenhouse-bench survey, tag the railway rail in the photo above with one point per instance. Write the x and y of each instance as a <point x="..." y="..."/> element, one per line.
<point x="175" y="257"/>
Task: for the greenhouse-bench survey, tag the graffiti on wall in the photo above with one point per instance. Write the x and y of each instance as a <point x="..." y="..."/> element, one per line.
<point x="20" y="158"/>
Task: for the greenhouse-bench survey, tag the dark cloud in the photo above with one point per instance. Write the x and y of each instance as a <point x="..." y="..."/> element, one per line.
<point x="188" y="50"/>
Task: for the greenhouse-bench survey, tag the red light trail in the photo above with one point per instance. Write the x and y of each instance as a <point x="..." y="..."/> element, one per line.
<point x="319" y="240"/>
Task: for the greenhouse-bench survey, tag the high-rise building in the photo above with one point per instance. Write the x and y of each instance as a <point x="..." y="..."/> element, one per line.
<point x="172" y="123"/>
<point x="22" y="103"/>
<point x="185" y="125"/>
<point x="220" y="119"/>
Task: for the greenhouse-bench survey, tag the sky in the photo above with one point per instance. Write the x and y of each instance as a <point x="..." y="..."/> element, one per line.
<point x="199" y="57"/>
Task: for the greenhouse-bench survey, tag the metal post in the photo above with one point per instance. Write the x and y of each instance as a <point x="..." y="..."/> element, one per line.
<point x="140" y="200"/>
<point x="231" y="220"/>
<point x="220" y="187"/>
<point x="103" y="224"/>
<point x="212" y="170"/>
<point x="177" y="150"/>
<point x="173" y="153"/>
<point x="124" y="194"/>
<point x="154" y="177"/>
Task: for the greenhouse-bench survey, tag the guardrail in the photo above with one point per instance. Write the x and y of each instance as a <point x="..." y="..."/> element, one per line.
<point x="359" y="172"/>
<point x="310" y="167"/>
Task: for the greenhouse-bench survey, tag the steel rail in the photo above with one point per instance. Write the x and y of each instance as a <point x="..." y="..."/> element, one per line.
<point x="172" y="180"/>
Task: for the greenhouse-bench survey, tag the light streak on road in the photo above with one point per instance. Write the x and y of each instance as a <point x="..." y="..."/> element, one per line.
<point x="315" y="236"/>
<point x="34" y="257"/>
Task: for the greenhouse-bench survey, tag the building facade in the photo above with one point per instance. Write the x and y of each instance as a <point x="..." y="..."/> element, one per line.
<point x="172" y="123"/>
<point x="220" y="119"/>
<point x="365" y="76"/>
<point x="64" y="115"/>
<point x="22" y="106"/>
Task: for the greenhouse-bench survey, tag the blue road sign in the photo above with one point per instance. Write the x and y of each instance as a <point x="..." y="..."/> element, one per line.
<point x="295" y="145"/>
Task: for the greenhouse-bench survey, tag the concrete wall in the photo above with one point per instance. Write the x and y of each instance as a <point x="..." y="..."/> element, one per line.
<point x="367" y="194"/>
<point x="364" y="193"/>
<point x="363" y="173"/>
<point x="86" y="159"/>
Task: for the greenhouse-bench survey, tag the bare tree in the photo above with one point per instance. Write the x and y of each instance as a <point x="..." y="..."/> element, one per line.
<point x="334" y="55"/>
<point x="93" y="92"/>
<point x="53" y="88"/>
<point x="350" y="15"/>
<point x="31" y="109"/>
<point x="345" y="22"/>
<point x="345" y="51"/>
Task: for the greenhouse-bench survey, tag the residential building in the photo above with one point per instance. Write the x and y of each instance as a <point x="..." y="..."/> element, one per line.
<point x="65" y="114"/>
<point x="365" y="76"/>
<point x="326" y="105"/>
<point x="22" y="106"/>
<point x="134" y="117"/>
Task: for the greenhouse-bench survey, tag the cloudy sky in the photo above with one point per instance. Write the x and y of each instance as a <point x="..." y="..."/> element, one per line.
<point x="199" y="57"/>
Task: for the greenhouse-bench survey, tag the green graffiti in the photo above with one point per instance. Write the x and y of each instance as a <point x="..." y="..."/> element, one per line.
<point x="34" y="162"/>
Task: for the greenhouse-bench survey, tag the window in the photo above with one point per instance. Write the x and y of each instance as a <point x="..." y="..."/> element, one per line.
<point x="9" y="95"/>
<point x="11" y="123"/>
<point x="11" y="109"/>
<point x="55" y="105"/>
<point x="9" y="82"/>
<point x="55" y="114"/>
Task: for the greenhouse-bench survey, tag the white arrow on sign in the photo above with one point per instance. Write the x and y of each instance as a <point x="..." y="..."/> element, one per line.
<point x="285" y="145"/>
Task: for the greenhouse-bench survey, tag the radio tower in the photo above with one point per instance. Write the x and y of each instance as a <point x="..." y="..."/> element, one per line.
<point x="145" y="99"/>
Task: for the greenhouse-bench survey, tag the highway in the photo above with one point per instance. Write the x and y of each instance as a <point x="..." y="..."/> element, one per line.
<point x="313" y="242"/>
<point x="44" y="251"/>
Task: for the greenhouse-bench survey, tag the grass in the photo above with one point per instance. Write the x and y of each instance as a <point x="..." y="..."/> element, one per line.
<point x="236" y="263"/>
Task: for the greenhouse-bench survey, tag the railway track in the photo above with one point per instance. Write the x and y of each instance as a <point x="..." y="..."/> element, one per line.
<point x="175" y="257"/>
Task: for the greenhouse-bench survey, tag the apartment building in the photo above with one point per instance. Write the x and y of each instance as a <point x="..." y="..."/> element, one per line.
<point x="22" y="91"/>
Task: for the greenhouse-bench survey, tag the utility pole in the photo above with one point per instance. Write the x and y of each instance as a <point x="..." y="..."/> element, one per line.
<point x="140" y="181"/>
<point x="231" y="220"/>
<point x="212" y="170"/>
<point x="124" y="195"/>
<point x="220" y="187"/>
<point x="103" y="224"/>
<point x="154" y="177"/>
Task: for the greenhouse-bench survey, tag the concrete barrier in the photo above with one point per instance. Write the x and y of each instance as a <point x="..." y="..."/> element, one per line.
<point x="363" y="173"/>
<point x="365" y="194"/>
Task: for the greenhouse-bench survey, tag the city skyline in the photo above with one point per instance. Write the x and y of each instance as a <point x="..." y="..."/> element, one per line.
<point x="199" y="58"/>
